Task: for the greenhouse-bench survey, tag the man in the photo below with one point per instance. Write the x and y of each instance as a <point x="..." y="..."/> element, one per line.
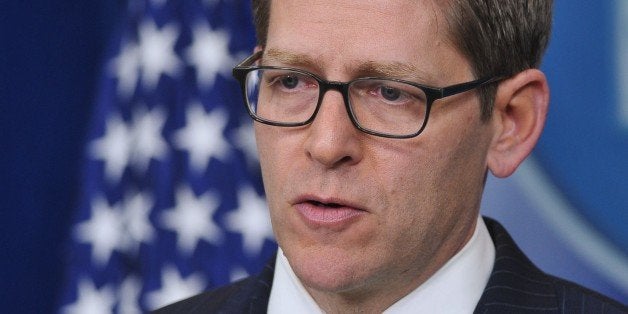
<point x="376" y="124"/>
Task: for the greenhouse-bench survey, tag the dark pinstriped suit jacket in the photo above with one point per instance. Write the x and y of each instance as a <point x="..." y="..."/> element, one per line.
<point x="515" y="286"/>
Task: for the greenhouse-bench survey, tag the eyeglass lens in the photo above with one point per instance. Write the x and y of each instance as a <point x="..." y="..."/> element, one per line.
<point x="290" y="97"/>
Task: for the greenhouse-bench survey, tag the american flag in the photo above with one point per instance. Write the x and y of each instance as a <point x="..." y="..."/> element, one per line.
<point x="171" y="200"/>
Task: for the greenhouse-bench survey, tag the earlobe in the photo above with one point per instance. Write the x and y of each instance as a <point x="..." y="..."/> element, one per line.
<point x="519" y="114"/>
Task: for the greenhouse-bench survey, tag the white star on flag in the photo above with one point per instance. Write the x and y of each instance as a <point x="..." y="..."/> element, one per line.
<point x="148" y="143"/>
<point x="251" y="220"/>
<point x="125" y="67"/>
<point x="244" y="139"/>
<point x="138" y="228"/>
<point x="203" y="136"/>
<point x="174" y="287"/>
<point x="192" y="219"/>
<point x="114" y="148"/>
<point x="91" y="300"/>
<point x="157" y="54"/>
<point x="238" y="273"/>
<point x="209" y="54"/>
<point x="103" y="231"/>
<point x="129" y="295"/>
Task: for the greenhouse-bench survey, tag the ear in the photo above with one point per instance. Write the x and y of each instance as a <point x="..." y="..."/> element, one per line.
<point x="521" y="104"/>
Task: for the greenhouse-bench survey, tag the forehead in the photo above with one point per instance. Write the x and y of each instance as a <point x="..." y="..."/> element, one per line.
<point x="347" y="34"/>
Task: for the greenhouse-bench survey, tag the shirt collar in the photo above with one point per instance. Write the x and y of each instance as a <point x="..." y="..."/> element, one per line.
<point x="454" y="288"/>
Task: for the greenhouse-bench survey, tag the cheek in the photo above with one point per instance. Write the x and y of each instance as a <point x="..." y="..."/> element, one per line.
<point x="411" y="179"/>
<point x="456" y="176"/>
<point x="273" y="178"/>
<point x="443" y="177"/>
<point x="275" y="148"/>
<point x="272" y="152"/>
<point x="408" y="195"/>
<point x="279" y="162"/>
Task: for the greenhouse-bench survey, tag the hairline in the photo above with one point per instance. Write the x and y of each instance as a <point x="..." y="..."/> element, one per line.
<point x="453" y="13"/>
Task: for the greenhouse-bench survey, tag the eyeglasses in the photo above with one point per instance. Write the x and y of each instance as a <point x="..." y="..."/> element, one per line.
<point x="385" y="107"/>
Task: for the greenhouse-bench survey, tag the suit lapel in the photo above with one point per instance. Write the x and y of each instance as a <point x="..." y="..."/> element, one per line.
<point x="253" y="297"/>
<point x="515" y="284"/>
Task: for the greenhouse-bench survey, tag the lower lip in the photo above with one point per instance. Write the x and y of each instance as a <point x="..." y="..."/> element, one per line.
<point x="321" y="216"/>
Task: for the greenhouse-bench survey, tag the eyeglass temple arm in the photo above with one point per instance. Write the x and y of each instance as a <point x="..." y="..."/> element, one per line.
<point x="463" y="87"/>
<point x="250" y="60"/>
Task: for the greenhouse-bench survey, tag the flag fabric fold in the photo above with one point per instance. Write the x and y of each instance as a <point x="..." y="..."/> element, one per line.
<point x="171" y="201"/>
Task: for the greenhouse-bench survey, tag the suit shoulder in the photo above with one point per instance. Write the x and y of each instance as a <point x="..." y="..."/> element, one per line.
<point x="576" y="298"/>
<point x="206" y="302"/>
<point x="516" y="285"/>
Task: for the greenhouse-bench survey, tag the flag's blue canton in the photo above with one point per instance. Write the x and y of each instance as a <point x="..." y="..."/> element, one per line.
<point x="172" y="201"/>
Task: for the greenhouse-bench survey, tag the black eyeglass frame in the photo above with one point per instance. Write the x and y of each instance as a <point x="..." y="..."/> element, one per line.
<point x="241" y="71"/>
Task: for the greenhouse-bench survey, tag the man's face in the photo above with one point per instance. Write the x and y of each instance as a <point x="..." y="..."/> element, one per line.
<point x="357" y="214"/>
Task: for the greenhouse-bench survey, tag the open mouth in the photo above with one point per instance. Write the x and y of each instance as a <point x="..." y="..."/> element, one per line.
<point x="329" y="205"/>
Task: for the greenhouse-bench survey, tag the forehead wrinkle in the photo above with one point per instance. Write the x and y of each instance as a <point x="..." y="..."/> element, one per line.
<point x="370" y="68"/>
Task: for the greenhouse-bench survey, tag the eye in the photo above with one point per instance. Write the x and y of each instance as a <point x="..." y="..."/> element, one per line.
<point x="386" y="92"/>
<point x="390" y="93"/>
<point x="289" y="81"/>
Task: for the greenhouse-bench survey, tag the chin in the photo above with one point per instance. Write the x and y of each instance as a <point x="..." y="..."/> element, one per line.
<point x="329" y="272"/>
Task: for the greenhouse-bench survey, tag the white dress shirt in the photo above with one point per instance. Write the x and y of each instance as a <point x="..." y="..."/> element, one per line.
<point x="454" y="288"/>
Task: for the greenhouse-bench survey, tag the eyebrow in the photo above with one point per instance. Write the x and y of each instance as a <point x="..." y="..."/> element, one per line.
<point x="369" y="68"/>
<point x="288" y="58"/>
<point x="393" y="70"/>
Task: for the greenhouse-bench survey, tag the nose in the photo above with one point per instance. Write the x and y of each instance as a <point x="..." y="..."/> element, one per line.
<point x="333" y="140"/>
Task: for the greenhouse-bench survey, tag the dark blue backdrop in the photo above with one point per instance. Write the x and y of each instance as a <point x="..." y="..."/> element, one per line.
<point x="50" y="53"/>
<point x="49" y="62"/>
